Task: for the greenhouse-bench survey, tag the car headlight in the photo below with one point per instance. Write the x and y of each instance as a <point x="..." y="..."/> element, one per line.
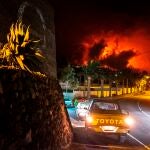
<point x="89" y="119"/>
<point x="129" y="121"/>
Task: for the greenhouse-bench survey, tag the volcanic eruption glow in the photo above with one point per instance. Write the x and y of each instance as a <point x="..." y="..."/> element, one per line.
<point x="124" y="50"/>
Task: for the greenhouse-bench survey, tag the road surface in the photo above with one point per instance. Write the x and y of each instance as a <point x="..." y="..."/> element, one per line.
<point x="139" y="137"/>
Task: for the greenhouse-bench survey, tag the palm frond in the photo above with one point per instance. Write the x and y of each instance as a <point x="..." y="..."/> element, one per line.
<point x="20" y="50"/>
<point x="20" y="62"/>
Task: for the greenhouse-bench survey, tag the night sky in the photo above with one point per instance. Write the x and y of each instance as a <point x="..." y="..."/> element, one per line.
<point x="115" y="32"/>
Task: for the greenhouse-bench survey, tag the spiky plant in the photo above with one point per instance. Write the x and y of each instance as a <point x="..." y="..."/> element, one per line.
<point x="20" y="51"/>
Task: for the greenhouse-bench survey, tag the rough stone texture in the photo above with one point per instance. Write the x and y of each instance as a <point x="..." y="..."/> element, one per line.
<point x="32" y="112"/>
<point x="39" y="14"/>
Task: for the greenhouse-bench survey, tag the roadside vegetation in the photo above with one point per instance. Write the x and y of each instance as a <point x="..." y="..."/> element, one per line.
<point x="94" y="73"/>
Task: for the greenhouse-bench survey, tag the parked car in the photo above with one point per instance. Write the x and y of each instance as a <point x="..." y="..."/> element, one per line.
<point x="68" y="96"/>
<point x="77" y="100"/>
<point x="68" y="102"/>
<point x="104" y="116"/>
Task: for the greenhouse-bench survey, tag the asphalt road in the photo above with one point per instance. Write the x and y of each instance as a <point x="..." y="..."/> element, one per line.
<point x="139" y="136"/>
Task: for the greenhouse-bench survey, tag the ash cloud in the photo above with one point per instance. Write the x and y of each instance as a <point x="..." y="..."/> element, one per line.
<point x="119" y="61"/>
<point x="96" y="50"/>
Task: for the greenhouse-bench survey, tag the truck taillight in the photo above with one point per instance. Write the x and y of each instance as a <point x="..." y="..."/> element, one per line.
<point x="89" y="119"/>
<point x="129" y="121"/>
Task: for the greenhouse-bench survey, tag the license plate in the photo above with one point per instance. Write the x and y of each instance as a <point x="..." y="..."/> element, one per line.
<point x="109" y="128"/>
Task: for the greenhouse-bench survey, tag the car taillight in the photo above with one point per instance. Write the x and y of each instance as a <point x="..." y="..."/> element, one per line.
<point x="129" y="121"/>
<point x="89" y="119"/>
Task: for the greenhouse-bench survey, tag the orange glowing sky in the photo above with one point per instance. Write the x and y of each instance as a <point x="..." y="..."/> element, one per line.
<point x="120" y="28"/>
<point x="137" y="41"/>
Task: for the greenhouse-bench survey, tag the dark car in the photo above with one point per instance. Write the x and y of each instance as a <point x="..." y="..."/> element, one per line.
<point x="104" y="116"/>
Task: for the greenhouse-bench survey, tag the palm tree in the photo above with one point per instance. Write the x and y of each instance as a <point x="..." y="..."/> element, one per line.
<point x="103" y="74"/>
<point x="91" y="72"/>
<point x="107" y="74"/>
<point x="139" y="80"/>
<point x="116" y="77"/>
<point x="110" y="78"/>
<point x="127" y="75"/>
<point x="132" y="77"/>
<point x="128" y="78"/>
<point x="20" y="51"/>
<point x="121" y="77"/>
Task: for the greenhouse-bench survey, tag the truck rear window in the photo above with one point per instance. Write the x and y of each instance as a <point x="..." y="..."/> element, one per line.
<point x="104" y="106"/>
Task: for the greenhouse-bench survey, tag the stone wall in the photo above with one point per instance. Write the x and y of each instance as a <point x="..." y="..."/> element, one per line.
<point x="32" y="112"/>
<point x="39" y="14"/>
<point x="33" y="115"/>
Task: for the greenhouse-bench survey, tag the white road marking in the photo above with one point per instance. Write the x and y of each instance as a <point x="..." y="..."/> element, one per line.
<point x="146" y="114"/>
<point x="139" y="106"/>
<point x="148" y="148"/>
